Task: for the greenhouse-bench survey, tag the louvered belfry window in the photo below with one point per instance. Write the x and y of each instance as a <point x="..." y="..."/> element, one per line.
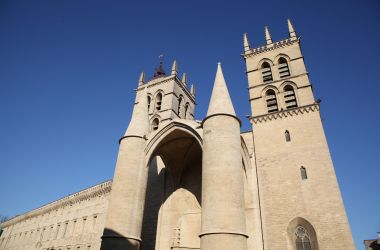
<point x="158" y="101"/>
<point x="290" y="97"/>
<point x="283" y="68"/>
<point x="271" y="101"/>
<point x="267" y="72"/>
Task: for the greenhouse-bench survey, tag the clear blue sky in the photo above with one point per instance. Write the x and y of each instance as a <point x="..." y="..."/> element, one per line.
<point x="68" y="70"/>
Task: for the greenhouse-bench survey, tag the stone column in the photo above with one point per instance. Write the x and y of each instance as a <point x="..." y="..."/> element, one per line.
<point x="125" y="211"/>
<point x="223" y="212"/>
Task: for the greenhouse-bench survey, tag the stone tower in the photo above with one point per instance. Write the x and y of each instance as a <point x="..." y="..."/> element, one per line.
<point x="300" y="201"/>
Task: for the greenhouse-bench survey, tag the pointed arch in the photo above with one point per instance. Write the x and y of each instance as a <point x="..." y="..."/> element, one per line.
<point x="283" y="67"/>
<point x="187" y="106"/>
<point x="290" y="97"/>
<point x="287" y="136"/>
<point x="158" y="100"/>
<point x="180" y="100"/>
<point x="301" y="235"/>
<point x="266" y="72"/>
<point x="149" y="102"/>
<point x="271" y="100"/>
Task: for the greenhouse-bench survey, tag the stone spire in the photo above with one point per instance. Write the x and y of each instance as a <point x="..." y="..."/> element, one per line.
<point x="246" y="43"/>
<point x="292" y="32"/>
<point x="192" y="90"/>
<point x="268" y="37"/>
<point x="184" y="79"/>
<point x="174" y="68"/>
<point x="139" y="124"/>
<point x="220" y="102"/>
<point x="142" y="78"/>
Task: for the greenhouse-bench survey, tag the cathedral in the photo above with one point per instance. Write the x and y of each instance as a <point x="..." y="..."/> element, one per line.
<point x="182" y="184"/>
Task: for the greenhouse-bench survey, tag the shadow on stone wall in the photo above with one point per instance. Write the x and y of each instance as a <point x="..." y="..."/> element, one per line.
<point x="112" y="240"/>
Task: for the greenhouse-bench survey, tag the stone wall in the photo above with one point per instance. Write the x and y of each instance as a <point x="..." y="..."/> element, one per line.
<point x="74" y="222"/>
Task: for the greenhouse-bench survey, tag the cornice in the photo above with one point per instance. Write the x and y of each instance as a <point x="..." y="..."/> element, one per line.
<point x="89" y="193"/>
<point x="285" y="113"/>
<point x="269" y="47"/>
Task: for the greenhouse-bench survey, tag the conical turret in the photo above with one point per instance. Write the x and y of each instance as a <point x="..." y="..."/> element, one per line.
<point x="139" y="124"/>
<point x="268" y="37"/>
<point x="174" y="68"/>
<point x="184" y="79"/>
<point x="246" y="43"/>
<point x="292" y="32"/>
<point x="220" y="102"/>
<point x="142" y="78"/>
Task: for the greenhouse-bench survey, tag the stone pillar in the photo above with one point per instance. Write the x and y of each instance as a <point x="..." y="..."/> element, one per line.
<point x="125" y="211"/>
<point x="223" y="212"/>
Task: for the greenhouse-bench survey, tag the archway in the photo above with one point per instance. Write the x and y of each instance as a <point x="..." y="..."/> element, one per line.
<point x="173" y="196"/>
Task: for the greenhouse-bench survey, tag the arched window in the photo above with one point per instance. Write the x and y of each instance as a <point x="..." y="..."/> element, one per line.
<point x="283" y="67"/>
<point x="155" y="124"/>
<point x="186" y="110"/>
<point x="179" y="105"/>
<point x="158" y="101"/>
<point x="290" y="97"/>
<point x="267" y="72"/>
<point x="271" y="100"/>
<point x="302" y="239"/>
<point x="303" y="173"/>
<point x="149" y="101"/>
<point x="287" y="135"/>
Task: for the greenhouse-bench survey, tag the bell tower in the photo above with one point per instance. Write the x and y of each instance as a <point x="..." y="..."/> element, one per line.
<point x="168" y="96"/>
<point x="300" y="201"/>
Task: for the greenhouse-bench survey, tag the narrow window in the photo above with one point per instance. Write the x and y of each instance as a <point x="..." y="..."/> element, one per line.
<point x="149" y="101"/>
<point x="267" y="72"/>
<point x="271" y="100"/>
<point x="155" y="123"/>
<point x="179" y="106"/>
<point x="290" y="97"/>
<point x="302" y="239"/>
<point x="158" y="101"/>
<point x="283" y="67"/>
<point x="303" y="173"/>
<point x="287" y="135"/>
<point x="186" y="110"/>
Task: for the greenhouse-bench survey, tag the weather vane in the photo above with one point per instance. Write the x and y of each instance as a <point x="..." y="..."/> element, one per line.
<point x="161" y="57"/>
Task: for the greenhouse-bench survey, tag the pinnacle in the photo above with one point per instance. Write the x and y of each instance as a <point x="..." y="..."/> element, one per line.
<point x="268" y="37"/>
<point x="174" y="68"/>
<point x="292" y="32"/>
<point x="220" y="102"/>
<point x="142" y="78"/>
<point x="246" y="42"/>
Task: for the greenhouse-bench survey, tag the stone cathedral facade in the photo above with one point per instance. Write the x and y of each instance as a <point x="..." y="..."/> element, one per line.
<point x="182" y="184"/>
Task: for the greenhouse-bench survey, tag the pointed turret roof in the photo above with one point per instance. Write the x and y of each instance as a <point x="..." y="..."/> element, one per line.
<point x="184" y="79"/>
<point x="139" y="124"/>
<point x="268" y="37"/>
<point x="174" y="68"/>
<point x="220" y="102"/>
<point x="192" y="90"/>
<point x="142" y="78"/>
<point x="292" y="32"/>
<point x="246" y="42"/>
